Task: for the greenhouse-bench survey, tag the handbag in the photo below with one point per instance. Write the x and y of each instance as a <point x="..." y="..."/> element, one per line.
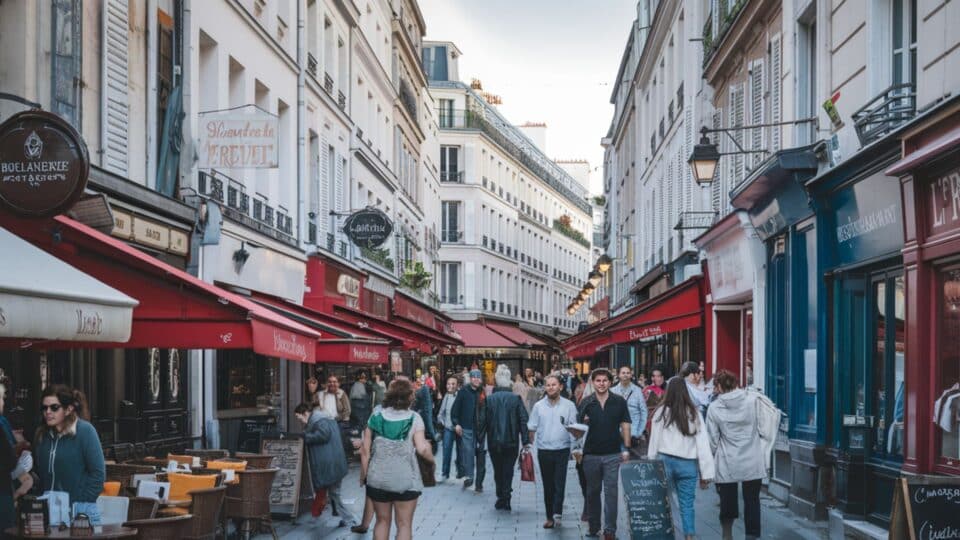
<point x="526" y="466"/>
<point x="428" y="471"/>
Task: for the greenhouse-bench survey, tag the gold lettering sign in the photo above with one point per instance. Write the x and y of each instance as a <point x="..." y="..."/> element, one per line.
<point x="122" y="225"/>
<point x="151" y="234"/>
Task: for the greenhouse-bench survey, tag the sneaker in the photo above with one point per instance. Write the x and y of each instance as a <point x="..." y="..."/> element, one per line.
<point x="479" y="489"/>
<point x="467" y="483"/>
<point x="443" y="479"/>
<point x="557" y="518"/>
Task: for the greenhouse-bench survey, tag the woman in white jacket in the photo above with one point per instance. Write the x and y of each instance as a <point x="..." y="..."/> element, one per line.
<point x="738" y="450"/>
<point x="678" y="437"/>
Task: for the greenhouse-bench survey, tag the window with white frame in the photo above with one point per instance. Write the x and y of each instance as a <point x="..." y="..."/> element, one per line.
<point x="450" y="164"/>
<point x="450" y="282"/>
<point x="904" y="41"/>
<point x="450" y="221"/>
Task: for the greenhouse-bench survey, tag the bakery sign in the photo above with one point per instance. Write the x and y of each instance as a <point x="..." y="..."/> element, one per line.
<point x="44" y="164"/>
<point x="238" y="140"/>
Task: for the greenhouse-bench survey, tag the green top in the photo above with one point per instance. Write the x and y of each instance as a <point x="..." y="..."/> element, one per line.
<point x="395" y="430"/>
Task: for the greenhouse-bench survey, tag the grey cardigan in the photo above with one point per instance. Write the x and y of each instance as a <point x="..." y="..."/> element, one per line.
<point x="735" y="437"/>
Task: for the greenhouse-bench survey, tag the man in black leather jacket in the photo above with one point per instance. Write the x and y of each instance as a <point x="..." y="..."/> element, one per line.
<point x="506" y="430"/>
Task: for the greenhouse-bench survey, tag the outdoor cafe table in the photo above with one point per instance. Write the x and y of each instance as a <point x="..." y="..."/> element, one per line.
<point x="108" y="531"/>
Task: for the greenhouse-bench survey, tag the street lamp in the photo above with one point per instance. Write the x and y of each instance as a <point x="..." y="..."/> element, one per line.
<point x="703" y="161"/>
<point x="595" y="278"/>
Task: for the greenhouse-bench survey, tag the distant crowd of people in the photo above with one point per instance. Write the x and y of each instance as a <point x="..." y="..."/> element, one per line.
<point x="703" y="431"/>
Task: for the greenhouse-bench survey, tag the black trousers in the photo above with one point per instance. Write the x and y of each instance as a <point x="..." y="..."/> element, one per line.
<point x="751" y="504"/>
<point x="553" y="470"/>
<point x="481" y="456"/>
<point x="504" y="460"/>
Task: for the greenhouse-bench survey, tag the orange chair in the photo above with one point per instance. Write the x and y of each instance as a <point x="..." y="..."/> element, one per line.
<point x="181" y="460"/>
<point x="111" y="489"/>
<point x="181" y="484"/>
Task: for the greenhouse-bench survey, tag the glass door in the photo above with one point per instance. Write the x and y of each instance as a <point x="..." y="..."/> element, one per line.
<point x="887" y="371"/>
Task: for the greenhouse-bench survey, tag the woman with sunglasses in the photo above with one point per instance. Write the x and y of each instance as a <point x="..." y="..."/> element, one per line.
<point x="69" y="457"/>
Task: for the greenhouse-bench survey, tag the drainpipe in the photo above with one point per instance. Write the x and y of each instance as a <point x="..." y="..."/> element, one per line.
<point x="153" y="44"/>
<point x="301" y="123"/>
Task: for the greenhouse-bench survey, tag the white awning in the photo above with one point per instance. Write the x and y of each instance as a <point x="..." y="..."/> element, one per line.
<point x="42" y="297"/>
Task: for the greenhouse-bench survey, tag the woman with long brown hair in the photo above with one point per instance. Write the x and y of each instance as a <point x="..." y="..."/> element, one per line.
<point x="69" y="456"/>
<point x="678" y="437"/>
<point x="388" y="461"/>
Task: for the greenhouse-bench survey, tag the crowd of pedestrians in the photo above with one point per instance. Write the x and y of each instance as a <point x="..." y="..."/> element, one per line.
<point x="701" y="431"/>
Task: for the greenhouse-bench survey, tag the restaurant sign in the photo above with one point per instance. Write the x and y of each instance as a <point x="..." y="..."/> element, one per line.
<point x="238" y="140"/>
<point x="368" y="228"/>
<point x="868" y="219"/>
<point x="44" y="164"/>
<point x="944" y="196"/>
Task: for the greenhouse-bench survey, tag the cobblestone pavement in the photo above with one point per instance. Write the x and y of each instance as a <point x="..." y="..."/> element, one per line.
<point x="448" y="511"/>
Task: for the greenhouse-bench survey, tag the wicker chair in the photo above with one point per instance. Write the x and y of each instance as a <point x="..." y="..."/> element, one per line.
<point x="169" y="528"/>
<point x="206" y="507"/>
<point x="141" y="508"/>
<point x="206" y="454"/>
<point x="249" y="500"/>
<point x="255" y="461"/>
<point x="124" y="472"/>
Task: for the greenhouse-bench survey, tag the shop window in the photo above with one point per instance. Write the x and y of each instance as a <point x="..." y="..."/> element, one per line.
<point x="947" y="404"/>
<point x="888" y="365"/>
<point x="247" y="380"/>
<point x="805" y="371"/>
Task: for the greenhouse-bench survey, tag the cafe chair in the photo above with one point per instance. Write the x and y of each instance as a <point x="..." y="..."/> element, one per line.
<point x="183" y="484"/>
<point x="168" y="528"/>
<point x="248" y="501"/>
<point x="180" y="459"/>
<point x="206" y="508"/>
<point x="124" y="473"/>
<point x="206" y="454"/>
<point x="255" y="461"/>
<point x="141" y="508"/>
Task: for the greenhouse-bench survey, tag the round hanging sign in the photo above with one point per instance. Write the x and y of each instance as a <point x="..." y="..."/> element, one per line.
<point x="368" y="228"/>
<point x="44" y="164"/>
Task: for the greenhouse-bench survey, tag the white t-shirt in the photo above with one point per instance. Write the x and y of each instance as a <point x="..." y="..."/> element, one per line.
<point x="329" y="403"/>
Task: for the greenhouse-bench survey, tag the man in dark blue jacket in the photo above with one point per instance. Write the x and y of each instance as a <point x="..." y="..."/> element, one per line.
<point x="506" y="430"/>
<point x="468" y="417"/>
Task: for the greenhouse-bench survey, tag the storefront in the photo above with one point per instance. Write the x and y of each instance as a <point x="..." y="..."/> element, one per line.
<point x="929" y="174"/>
<point x="735" y="258"/>
<point x="776" y="204"/>
<point x="662" y="332"/>
<point x="861" y="339"/>
<point x="488" y="343"/>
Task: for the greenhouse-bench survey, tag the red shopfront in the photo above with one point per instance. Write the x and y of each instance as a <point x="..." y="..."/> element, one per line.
<point x="666" y="331"/>
<point x="930" y="184"/>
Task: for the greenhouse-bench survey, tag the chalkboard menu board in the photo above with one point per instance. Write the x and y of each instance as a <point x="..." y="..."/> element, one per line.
<point x="293" y="477"/>
<point x="925" y="507"/>
<point x="647" y="495"/>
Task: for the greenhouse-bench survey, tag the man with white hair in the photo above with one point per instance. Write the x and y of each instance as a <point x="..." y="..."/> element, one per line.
<point x="506" y="430"/>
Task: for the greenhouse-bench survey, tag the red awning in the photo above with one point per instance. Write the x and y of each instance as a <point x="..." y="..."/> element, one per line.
<point x="339" y="342"/>
<point x="680" y="308"/>
<point x="410" y="335"/>
<point x="176" y="310"/>
<point x="514" y="334"/>
<point x="477" y="336"/>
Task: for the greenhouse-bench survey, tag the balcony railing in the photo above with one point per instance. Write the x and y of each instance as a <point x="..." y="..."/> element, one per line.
<point x="237" y="206"/>
<point x="341" y="101"/>
<point x="695" y="220"/>
<point x="312" y="64"/>
<point x="408" y="98"/>
<point x="451" y="237"/>
<point x="451" y="176"/>
<point x="466" y="119"/>
<point x="570" y="233"/>
<point x="886" y="112"/>
<point x="328" y="84"/>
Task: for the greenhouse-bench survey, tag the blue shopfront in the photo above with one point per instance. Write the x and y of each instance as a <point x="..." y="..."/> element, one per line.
<point x="778" y="207"/>
<point x="859" y="344"/>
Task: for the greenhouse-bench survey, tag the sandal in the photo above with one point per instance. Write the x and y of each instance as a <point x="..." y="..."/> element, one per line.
<point x="548" y="524"/>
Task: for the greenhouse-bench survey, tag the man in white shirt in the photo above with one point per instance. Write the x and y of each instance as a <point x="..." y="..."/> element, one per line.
<point x="635" y="404"/>
<point x="548" y="420"/>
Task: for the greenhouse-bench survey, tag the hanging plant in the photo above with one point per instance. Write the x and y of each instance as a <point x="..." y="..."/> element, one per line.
<point x="416" y="277"/>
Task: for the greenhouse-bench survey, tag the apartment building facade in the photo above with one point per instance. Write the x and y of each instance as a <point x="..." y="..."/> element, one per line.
<point x="515" y="227"/>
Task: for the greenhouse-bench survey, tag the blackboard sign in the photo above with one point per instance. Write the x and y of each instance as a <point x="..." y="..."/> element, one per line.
<point x="925" y="507"/>
<point x="292" y="481"/>
<point x="647" y="495"/>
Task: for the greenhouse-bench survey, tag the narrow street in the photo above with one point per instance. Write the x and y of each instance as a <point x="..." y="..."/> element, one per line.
<point x="448" y="511"/>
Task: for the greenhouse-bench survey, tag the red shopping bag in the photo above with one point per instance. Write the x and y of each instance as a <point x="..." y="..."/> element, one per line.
<point x="526" y="466"/>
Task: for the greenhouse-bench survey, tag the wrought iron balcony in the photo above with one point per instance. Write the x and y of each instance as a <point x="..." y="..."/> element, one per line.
<point x="695" y="220"/>
<point x="408" y="98"/>
<point x="312" y="64"/>
<point x="311" y="233"/>
<point x="237" y="206"/>
<point x="451" y="176"/>
<point x="328" y="84"/>
<point x="451" y="237"/>
<point x="884" y="113"/>
<point x="341" y="101"/>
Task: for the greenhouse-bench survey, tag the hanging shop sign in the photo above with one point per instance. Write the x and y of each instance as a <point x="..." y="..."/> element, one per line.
<point x="238" y="140"/>
<point x="368" y="228"/>
<point x="44" y="164"/>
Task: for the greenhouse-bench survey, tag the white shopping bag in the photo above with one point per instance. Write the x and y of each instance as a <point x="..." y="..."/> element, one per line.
<point x="59" y="504"/>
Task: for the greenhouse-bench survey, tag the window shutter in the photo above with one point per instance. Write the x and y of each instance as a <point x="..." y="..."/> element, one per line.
<point x="776" y="90"/>
<point x="115" y="106"/>
<point x="756" y="111"/>
<point x="338" y="190"/>
<point x="736" y="110"/>
<point x="326" y="221"/>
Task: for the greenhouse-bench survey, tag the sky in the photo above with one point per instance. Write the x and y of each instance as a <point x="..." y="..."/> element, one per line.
<point x="551" y="61"/>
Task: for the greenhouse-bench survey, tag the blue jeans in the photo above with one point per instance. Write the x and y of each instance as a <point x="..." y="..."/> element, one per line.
<point x="682" y="475"/>
<point x="468" y="455"/>
<point x="449" y="439"/>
